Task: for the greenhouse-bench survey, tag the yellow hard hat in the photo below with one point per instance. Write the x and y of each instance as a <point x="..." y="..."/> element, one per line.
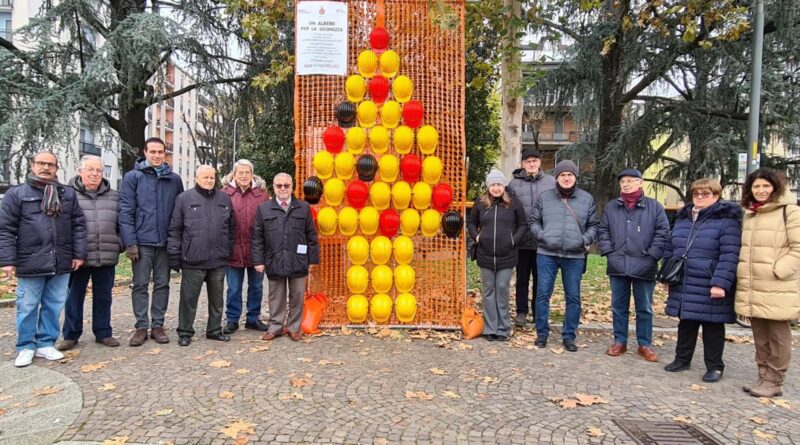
<point x="431" y="169"/>
<point x="357" y="279"/>
<point x="405" y="307"/>
<point x="390" y="114"/>
<point x="404" y="278"/>
<point x="403" y="248"/>
<point x="326" y="221"/>
<point x="421" y="195"/>
<point x="355" y="139"/>
<point x="345" y="164"/>
<point x="388" y="166"/>
<point x="380" y="195"/>
<point x="427" y="139"/>
<point x="379" y="139"/>
<point x="367" y="63"/>
<point x="381" y="308"/>
<point x="409" y="222"/>
<point x="367" y="112"/>
<point x="403" y="139"/>
<point x="358" y="250"/>
<point x="323" y="164"/>
<point x="401" y="195"/>
<point x="368" y="220"/>
<point x="380" y="250"/>
<point x="357" y="308"/>
<point x="355" y="87"/>
<point x="333" y="191"/>
<point x="381" y="279"/>
<point x="348" y="221"/>
<point x="431" y="219"/>
<point x="402" y="88"/>
<point x="390" y="63"/>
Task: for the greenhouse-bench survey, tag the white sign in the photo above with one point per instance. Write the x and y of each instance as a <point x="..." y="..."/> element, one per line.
<point x="321" y="38"/>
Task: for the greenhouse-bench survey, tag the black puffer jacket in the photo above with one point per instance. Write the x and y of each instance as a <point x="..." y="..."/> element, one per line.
<point x="279" y="237"/>
<point x="101" y="209"/>
<point x="527" y="189"/>
<point x="202" y="230"/>
<point x="500" y="229"/>
<point x="37" y="244"/>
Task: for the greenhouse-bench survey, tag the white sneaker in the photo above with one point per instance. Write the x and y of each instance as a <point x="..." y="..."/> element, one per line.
<point x="50" y="353"/>
<point x="24" y="358"/>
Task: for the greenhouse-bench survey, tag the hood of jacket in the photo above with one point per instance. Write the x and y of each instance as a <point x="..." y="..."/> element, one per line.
<point x="718" y="210"/>
<point x="141" y="164"/>
<point x="521" y="174"/>
<point x="77" y="184"/>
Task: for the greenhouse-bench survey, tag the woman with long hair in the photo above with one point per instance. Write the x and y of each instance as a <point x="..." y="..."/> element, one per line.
<point x="768" y="275"/>
<point x="497" y="223"/>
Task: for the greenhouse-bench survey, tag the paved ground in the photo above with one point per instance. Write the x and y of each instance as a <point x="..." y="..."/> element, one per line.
<point x="379" y="387"/>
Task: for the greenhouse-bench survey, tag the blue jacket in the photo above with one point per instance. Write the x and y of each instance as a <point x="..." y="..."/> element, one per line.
<point x="556" y="231"/>
<point x="633" y="240"/>
<point x="145" y="205"/>
<point x="37" y="244"/>
<point x="711" y="261"/>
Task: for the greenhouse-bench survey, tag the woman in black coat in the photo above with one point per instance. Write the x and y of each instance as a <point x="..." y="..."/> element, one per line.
<point x="497" y="223"/>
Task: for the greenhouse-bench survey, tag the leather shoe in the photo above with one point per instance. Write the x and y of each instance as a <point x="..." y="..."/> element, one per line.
<point x="501" y="338"/>
<point x="257" y="326"/>
<point x="617" y="349"/>
<point x="295" y="336"/>
<point x="677" y="366"/>
<point x="269" y="336"/>
<point x="159" y="335"/>
<point x="489" y="337"/>
<point x="138" y="338"/>
<point x="569" y="345"/>
<point x="647" y="353"/>
<point x="67" y="344"/>
<point x="218" y="337"/>
<point x="184" y="341"/>
<point x="712" y="376"/>
<point x="541" y="342"/>
<point x="230" y="328"/>
<point x="111" y="342"/>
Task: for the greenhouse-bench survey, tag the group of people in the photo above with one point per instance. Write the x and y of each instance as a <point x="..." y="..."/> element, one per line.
<point x="56" y="238"/>
<point x="732" y="258"/>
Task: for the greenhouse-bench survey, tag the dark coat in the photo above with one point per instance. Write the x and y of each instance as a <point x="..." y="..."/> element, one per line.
<point x="633" y="240"/>
<point x="527" y="189"/>
<point x="278" y="235"/>
<point x="245" y="205"/>
<point x="501" y="229"/>
<point x="102" y="231"/>
<point x="556" y="231"/>
<point x="145" y="205"/>
<point x="711" y="261"/>
<point x="202" y="230"/>
<point x="37" y="244"/>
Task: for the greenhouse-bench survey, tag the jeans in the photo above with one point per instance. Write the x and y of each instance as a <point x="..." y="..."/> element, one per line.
<point x="39" y="304"/>
<point x="526" y="272"/>
<point x="496" y="319"/>
<point x="102" y="283"/>
<point x="255" y="293"/>
<point x="151" y="260"/>
<point x="191" y="283"/>
<point x="571" y="273"/>
<point x="620" y="308"/>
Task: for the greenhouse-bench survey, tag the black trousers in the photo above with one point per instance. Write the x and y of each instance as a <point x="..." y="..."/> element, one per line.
<point x="191" y="282"/>
<point x="713" y="343"/>
<point x="526" y="274"/>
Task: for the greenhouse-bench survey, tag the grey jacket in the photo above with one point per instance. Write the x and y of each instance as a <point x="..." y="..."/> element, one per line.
<point x="526" y="190"/>
<point x="556" y="231"/>
<point x="102" y="232"/>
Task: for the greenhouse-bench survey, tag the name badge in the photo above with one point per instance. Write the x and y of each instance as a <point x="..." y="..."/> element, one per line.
<point x="302" y="249"/>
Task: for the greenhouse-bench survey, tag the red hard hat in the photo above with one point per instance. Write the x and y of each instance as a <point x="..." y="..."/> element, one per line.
<point x="333" y="139"/>
<point x="410" y="167"/>
<point x="357" y="192"/>
<point x="389" y="222"/>
<point x="378" y="88"/>
<point x="412" y="113"/>
<point x="442" y="197"/>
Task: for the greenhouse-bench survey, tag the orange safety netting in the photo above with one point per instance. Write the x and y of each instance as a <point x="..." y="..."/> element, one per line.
<point x="433" y="59"/>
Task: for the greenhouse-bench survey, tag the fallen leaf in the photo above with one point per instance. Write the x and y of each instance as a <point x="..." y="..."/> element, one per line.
<point x="346" y="331"/>
<point x="233" y="429"/>
<point x="164" y="412"/>
<point x="206" y="354"/>
<point x="438" y="371"/>
<point x="119" y="440"/>
<point x="3" y="412"/>
<point x="682" y="419"/>
<point x="46" y="391"/>
<point x="154" y="351"/>
<point x="241" y="439"/>
<point x="782" y="403"/>
<point x="261" y="348"/>
<point x="762" y="435"/>
<point x="419" y="335"/>
<point x="565" y="403"/>
<point x="696" y="387"/>
<point x="220" y="364"/>
<point x="593" y="431"/>
<point x="383" y="333"/>
<point x="463" y="346"/>
<point x="93" y="367"/>
<point x="759" y="420"/>
<point x="765" y="400"/>
<point x="107" y="387"/>
<point x="488" y="380"/>
<point x="242" y="371"/>
<point x="5" y="397"/>
<point x="557" y="351"/>
<point x="70" y="356"/>
<point x="450" y="394"/>
<point x="31" y="404"/>
<point x="226" y="395"/>
<point x="421" y="395"/>
<point x="292" y="396"/>
<point x="331" y="362"/>
<point x="301" y="382"/>
<point x="589" y="400"/>
<point x="304" y="359"/>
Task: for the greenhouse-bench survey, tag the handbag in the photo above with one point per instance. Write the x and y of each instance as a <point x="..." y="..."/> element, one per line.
<point x="671" y="271"/>
<point x="471" y="321"/>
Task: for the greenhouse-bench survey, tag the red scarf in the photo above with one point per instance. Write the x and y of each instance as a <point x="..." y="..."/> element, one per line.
<point x="756" y="205"/>
<point x="632" y="198"/>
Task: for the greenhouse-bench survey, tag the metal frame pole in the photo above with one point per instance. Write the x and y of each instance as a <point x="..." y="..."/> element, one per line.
<point x="755" y="89"/>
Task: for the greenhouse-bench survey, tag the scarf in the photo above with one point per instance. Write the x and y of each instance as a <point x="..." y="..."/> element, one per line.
<point x="631" y="199"/>
<point x="756" y="205"/>
<point x="565" y="193"/>
<point x="51" y="206"/>
<point x="160" y="170"/>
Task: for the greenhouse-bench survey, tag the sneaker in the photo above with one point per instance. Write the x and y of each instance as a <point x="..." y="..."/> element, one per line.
<point x="49" y="352"/>
<point x="520" y="320"/>
<point x="24" y="358"/>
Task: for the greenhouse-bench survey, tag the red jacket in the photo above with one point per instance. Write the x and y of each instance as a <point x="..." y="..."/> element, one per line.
<point x="245" y="205"/>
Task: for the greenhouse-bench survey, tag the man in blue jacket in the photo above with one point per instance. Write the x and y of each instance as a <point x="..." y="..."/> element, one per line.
<point x="146" y="199"/>
<point x="42" y="239"/>
<point x="634" y="231"/>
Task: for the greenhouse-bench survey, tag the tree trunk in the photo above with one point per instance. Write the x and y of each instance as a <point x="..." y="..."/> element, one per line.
<point x="512" y="104"/>
<point x="132" y="123"/>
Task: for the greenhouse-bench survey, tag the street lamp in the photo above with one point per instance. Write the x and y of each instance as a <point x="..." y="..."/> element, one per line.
<point x="235" y="122"/>
<point x="753" y="161"/>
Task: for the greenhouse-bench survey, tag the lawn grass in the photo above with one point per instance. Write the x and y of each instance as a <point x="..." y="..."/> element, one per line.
<point x="124" y="272"/>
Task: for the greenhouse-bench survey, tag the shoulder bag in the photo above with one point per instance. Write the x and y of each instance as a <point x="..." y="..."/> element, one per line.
<point x="580" y="228"/>
<point x="671" y="271"/>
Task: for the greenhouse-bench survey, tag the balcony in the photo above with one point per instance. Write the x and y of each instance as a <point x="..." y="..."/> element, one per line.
<point x="6" y="34"/>
<point x="169" y="148"/>
<point x="6" y="4"/>
<point x="551" y="138"/>
<point x="88" y="148"/>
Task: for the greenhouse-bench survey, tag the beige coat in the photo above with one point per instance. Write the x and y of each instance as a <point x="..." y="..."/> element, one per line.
<point x="768" y="274"/>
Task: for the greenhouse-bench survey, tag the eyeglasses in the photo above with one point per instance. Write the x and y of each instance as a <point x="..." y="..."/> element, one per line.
<point x="282" y="186"/>
<point x="93" y="171"/>
<point x="629" y="181"/>
<point x="45" y="164"/>
<point x="701" y="194"/>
